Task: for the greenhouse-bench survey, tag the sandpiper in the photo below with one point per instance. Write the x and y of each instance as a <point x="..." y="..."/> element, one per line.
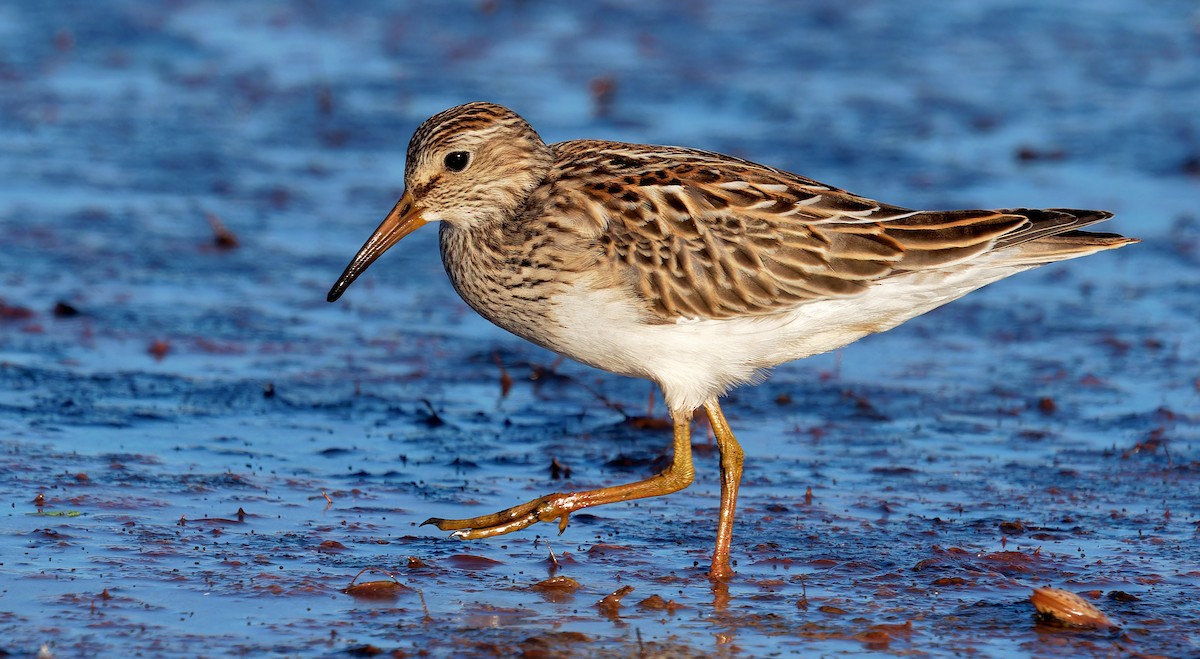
<point x="692" y="269"/>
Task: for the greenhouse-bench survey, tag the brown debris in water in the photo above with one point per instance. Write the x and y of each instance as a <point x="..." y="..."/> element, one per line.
<point x="1157" y="439"/>
<point x="879" y="637"/>
<point x="554" y="644"/>
<point x="1029" y="153"/>
<point x="415" y="563"/>
<point x="657" y="603"/>
<point x="1067" y="608"/>
<point x="648" y="423"/>
<point x="556" y="561"/>
<point x="375" y="590"/>
<point x="472" y="562"/>
<point x="223" y="238"/>
<point x="556" y="589"/>
<point x="64" y="310"/>
<point x="14" y="313"/>
<point x="611" y="604"/>
<point x="216" y="521"/>
<point x="158" y="350"/>
<point x="1015" y="527"/>
<point x="432" y="418"/>
<point x="603" y="91"/>
<point x="424" y="607"/>
<point x="557" y="584"/>
<point x="602" y="548"/>
<point x="506" y="381"/>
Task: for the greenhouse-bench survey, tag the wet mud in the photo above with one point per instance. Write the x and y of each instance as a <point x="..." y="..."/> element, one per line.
<point x="200" y="457"/>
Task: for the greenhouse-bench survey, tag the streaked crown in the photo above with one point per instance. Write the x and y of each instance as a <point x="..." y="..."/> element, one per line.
<point x="474" y="163"/>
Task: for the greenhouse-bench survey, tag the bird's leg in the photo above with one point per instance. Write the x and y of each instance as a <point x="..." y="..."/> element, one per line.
<point x="731" y="475"/>
<point x="559" y="505"/>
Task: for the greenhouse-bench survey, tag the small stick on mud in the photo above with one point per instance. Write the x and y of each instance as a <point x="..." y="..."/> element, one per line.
<point x="223" y="238"/>
<point x="427" y="618"/>
<point x="323" y="495"/>
<point x="506" y="381"/>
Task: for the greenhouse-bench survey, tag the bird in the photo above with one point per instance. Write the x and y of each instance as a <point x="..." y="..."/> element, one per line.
<point x="695" y="270"/>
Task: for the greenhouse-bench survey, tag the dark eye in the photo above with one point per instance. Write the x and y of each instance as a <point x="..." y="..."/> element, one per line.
<point x="456" y="161"/>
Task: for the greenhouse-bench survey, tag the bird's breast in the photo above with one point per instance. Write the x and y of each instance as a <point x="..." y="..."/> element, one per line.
<point x="504" y="283"/>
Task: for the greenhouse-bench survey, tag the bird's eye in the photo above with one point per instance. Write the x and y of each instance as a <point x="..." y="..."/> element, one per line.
<point x="456" y="161"/>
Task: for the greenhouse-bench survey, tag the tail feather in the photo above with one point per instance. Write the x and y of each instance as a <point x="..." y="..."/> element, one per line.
<point x="1021" y="236"/>
<point x="1048" y="222"/>
<point x="1053" y="235"/>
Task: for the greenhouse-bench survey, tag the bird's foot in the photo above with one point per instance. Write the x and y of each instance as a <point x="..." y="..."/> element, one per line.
<point x="551" y="507"/>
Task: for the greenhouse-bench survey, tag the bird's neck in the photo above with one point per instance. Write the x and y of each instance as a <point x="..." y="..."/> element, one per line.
<point x="477" y="261"/>
<point x="496" y="270"/>
<point x="471" y="250"/>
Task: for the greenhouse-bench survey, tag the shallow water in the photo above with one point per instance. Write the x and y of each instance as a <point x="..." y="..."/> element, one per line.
<point x="1041" y="432"/>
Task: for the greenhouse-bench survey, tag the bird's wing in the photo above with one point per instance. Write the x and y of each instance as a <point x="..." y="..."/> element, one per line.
<point x="700" y="235"/>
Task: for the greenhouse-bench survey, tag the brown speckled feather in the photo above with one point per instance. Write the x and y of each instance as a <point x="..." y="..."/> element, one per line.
<point x="706" y="236"/>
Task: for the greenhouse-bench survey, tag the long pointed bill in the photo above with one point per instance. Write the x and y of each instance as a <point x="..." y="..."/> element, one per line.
<point x="403" y="220"/>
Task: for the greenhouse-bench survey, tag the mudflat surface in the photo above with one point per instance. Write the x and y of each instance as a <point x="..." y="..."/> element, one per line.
<point x="198" y="454"/>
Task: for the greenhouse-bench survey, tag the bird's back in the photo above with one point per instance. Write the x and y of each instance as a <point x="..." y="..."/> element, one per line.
<point x="700" y="236"/>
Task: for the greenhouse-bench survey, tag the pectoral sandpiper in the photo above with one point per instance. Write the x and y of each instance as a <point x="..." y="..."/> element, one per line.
<point x="689" y="268"/>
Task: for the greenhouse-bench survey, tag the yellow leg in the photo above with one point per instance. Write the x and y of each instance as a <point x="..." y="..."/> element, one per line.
<point x="559" y="505"/>
<point x="731" y="476"/>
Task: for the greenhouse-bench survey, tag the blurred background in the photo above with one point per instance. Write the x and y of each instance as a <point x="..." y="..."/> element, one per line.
<point x="181" y="182"/>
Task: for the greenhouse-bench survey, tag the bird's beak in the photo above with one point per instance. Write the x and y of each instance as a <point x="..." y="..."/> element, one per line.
<point x="403" y="220"/>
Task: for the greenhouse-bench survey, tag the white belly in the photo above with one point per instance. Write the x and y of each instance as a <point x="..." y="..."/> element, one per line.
<point x="696" y="360"/>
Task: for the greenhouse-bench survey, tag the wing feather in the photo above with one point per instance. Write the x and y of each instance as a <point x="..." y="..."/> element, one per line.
<point x="700" y="235"/>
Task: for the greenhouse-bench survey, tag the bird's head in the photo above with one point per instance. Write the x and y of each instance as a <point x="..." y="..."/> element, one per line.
<point x="467" y="166"/>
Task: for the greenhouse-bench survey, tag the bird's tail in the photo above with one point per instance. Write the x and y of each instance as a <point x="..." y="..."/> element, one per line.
<point x="1053" y="235"/>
